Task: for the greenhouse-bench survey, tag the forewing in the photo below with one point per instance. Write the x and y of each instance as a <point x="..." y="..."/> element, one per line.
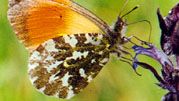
<point x="36" y="21"/>
<point x="63" y="66"/>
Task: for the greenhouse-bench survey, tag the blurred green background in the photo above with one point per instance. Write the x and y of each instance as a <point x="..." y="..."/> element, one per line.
<point x="116" y="82"/>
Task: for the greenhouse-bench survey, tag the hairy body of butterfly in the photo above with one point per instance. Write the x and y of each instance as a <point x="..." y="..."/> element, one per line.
<point x="61" y="62"/>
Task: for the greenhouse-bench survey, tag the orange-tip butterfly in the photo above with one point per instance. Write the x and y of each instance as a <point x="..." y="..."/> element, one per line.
<point x="68" y="44"/>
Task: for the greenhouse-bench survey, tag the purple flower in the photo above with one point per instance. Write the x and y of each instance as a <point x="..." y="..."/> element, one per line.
<point x="170" y="31"/>
<point x="169" y="78"/>
<point x="170" y="75"/>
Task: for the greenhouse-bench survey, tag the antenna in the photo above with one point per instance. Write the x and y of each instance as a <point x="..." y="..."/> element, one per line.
<point x="146" y="22"/>
<point x="130" y="11"/>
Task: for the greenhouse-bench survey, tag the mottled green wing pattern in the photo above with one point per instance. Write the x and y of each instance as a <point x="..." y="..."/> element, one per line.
<point x="63" y="66"/>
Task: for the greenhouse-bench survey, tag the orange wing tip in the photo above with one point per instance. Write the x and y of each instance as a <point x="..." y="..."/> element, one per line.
<point x="18" y="13"/>
<point x="34" y="24"/>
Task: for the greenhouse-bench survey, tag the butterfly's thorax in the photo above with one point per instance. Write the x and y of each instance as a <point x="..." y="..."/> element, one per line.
<point x="115" y="40"/>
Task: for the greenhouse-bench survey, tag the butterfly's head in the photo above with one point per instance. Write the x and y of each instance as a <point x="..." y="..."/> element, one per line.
<point x="120" y="25"/>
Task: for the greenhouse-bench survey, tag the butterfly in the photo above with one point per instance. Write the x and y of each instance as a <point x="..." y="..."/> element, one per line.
<point x="170" y="31"/>
<point x="68" y="44"/>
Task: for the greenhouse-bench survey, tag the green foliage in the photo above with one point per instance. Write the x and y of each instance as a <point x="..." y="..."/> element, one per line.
<point x="116" y="82"/>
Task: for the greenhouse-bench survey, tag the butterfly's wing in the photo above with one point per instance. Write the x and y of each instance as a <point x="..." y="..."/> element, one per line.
<point x="64" y="65"/>
<point x="36" y="21"/>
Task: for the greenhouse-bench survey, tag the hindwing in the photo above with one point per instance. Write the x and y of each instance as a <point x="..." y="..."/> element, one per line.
<point x="63" y="66"/>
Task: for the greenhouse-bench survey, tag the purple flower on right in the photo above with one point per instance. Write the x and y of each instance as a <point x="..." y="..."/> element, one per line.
<point x="170" y="31"/>
<point x="169" y="78"/>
